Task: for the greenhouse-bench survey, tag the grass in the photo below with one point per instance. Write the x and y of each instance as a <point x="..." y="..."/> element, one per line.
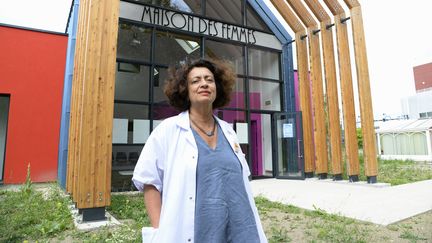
<point x="32" y="215"/>
<point x="317" y="225"/>
<point x="396" y="172"/>
<point x="29" y="214"/>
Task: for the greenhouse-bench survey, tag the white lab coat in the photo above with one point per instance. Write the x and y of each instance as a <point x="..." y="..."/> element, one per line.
<point x="168" y="161"/>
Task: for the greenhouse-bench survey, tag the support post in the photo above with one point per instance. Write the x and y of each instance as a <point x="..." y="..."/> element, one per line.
<point x="351" y="146"/>
<point x="331" y="87"/>
<point x="304" y="84"/>
<point x="90" y="137"/>
<point x="365" y="97"/>
<point x="429" y="143"/>
<point x="319" y="127"/>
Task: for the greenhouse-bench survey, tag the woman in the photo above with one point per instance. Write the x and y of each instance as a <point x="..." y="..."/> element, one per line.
<point x="192" y="170"/>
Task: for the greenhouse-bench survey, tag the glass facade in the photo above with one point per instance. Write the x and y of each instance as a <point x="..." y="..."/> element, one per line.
<point x="146" y="51"/>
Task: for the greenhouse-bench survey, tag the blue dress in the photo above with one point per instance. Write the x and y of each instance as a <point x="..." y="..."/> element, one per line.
<point x="222" y="209"/>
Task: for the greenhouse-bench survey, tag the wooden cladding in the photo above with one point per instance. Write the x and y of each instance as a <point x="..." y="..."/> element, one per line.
<point x="365" y="97"/>
<point x="319" y="148"/>
<point x="346" y="83"/>
<point x="90" y="132"/>
<point x="319" y="127"/>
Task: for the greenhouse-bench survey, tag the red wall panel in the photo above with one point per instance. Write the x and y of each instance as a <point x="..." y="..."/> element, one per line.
<point x="32" y="68"/>
<point x="423" y="77"/>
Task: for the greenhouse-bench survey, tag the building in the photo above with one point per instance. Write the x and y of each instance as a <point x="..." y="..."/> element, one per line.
<point x="151" y="38"/>
<point x="410" y="139"/>
<point x="420" y="104"/>
<point x="32" y="68"/>
<point x="423" y="77"/>
<point x="405" y="139"/>
<point x="113" y="90"/>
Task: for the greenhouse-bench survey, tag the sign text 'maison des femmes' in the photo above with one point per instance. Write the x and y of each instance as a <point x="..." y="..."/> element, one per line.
<point x="185" y="22"/>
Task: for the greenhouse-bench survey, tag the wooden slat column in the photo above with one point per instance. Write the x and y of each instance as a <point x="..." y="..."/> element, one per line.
<point x="304" y="84"/>
<point x="351" y="146"/>
<point x="365" y="97"/>
<point x="331" y="87"/>
<point x="90" y="139"/>
<point x="320" y="134"/>
<point x="76" y="100"/>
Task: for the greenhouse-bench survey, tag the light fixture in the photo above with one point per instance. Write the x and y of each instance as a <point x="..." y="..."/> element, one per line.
<point x="135" y="41"/>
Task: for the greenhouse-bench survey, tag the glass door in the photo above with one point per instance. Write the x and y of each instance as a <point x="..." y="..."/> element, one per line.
<point x="288" y="150"/>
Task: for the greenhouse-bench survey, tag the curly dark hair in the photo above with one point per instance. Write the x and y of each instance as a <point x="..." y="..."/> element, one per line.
<point x="176" y="85"/>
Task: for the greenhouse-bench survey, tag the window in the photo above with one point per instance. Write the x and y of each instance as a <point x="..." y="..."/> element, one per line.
<point x="133" y="42"/>
<point x="131" y="128"/>
<point x="145" y="53"/>
<point x="238" y="95"/>
<point x="172" y="47"/>
<point x="225" y="10"/>
<point x="225" y="51"/>
<point x="425" y="114"/>
<point x="159" y="76"/>
<point x="254" y="20"/>
<point x="132" y="82"/>
<point x="264" y="64"/>
<point x="264" y="95"/>
<point x="4" y="111"/>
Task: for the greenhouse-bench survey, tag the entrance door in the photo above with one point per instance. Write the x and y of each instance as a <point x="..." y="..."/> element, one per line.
<point x="288" y="150"/>
<point x="4" y="111"/>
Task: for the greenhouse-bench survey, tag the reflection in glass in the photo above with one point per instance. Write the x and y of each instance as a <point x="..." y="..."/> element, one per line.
<point x="190" y="6"/>
<point x="4" y="111"/>
<point x="133" y="42"/>
<point x="225" y="51"/>
<point x="264" y="95"/>
<point x="264" y="63"/>
<point x="172" y="47"/>
<point x="231" y="116"/>
<point x="261" y="155"/>
<point x="288" y="135"/>
<point x="236" y="119"/>
<point x="130" y="111"/>
<point x="125" y="156"/>
<point x="225" y="10"/>
<point x="132" y="82"/>
<point x="237" y="95"/>
<point x="161" y="112"/>
<point x="159" y="77"/>
<point x="254" y="20"/>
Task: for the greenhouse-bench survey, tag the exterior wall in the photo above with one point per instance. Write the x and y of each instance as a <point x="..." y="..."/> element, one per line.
<point x="421" y="102"/>
<point x="32" y="70"/>
<point x="402" y="145"/>
<point x="423" y="77"/>
<point x="416" y="104"/>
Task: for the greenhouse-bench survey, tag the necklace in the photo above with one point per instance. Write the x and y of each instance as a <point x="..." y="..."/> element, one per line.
<point x="211" y="133"/>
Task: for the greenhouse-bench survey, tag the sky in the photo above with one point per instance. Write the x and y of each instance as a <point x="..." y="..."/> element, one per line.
<point x="398" y="37"/>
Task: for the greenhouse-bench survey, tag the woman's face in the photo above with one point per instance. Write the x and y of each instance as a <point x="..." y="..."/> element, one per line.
<point x="201" y="86"/>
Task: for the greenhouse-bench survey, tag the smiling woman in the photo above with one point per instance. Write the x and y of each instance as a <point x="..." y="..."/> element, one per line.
<point x="192" y="170"/>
